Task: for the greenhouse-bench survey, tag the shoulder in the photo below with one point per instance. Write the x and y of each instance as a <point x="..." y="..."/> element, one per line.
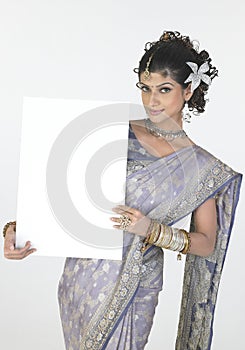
<point x="137" y="121"/>
<point x="214" y="167"/>
<point x="137" y="124"/>
<point x="205" y="156"/>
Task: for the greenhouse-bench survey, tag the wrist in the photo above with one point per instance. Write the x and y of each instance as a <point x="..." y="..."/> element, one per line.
<point x="167" y="237"/>
<point x="7" y="226"/>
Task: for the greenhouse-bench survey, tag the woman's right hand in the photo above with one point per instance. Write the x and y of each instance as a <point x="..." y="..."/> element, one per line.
<point x="10" y="252"/>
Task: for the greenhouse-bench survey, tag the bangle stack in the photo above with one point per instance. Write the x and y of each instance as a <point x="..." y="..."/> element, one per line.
<point x="7" y="226"/>
<point x="167" y="237"/>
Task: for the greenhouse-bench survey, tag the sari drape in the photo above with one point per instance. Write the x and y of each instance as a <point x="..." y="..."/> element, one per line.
<point x="110" y="305"/>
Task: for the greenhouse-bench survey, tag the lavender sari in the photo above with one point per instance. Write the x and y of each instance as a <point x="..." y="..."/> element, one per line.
<point x="110" y="305"/>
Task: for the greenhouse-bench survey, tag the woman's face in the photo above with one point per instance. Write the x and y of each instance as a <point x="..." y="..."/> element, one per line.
<point x="163" y="97"/>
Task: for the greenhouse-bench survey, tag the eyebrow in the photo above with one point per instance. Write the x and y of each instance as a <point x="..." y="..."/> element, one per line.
<point x="159" y="84"/>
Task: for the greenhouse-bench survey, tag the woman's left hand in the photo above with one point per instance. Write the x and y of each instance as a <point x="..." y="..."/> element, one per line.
<point x="138" y="223"/>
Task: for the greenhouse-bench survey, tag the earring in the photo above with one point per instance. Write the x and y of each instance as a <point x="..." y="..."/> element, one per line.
<point x="186" y="116"/>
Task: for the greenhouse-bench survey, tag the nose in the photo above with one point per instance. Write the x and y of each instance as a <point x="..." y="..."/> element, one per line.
<point x="153" y="99"/>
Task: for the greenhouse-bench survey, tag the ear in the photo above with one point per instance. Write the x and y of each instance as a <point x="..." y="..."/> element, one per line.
<point x="188" y="93"/>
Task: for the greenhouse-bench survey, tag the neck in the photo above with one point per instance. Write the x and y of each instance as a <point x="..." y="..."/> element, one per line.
<point x="168" y="124"/>
<point x="167" y="134"/>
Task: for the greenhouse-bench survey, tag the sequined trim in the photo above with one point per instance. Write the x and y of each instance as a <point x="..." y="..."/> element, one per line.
<point x="210" y="179"/>
<point x="108" y="313"/>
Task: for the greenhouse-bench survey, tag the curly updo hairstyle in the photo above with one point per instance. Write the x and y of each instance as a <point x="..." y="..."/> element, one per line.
<point x="169" y="56"/>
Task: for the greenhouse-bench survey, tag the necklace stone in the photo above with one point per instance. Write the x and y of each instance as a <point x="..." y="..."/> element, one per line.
<point x="168" y="135"/>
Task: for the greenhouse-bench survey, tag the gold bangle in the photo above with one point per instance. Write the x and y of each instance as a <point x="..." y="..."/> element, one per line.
<point x="161" y="235"/>
<point x="187" y="242"/>
<point x="170" y="237"/>
<point x="7" y="226"/>
<point x="148" y="234"/>
<point x="155" y="233"/>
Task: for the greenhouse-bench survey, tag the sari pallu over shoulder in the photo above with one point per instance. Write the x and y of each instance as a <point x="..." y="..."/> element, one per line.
<point x="168" y="189"/>
<point x="202" y="275"/>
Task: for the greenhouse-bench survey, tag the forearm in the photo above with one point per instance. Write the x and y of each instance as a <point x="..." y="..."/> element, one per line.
<point x="175" y="239"/>
<point x="201" y="244"/>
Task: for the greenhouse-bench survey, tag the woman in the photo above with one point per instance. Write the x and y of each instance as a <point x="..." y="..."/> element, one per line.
<point x="108" y="304"/>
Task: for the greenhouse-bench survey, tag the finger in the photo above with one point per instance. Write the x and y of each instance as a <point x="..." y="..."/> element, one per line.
<point x="122" y="211"/>
<point x="25" y="248"/>
<point x="116" y="219"/>
<point x="120" y="219"/>
<point x="30" y="251"/>
<point x="125" y="208"/>
<point x="118" y="211"/>
<point x="130" y="211"/>
<point x="117" y="227"/>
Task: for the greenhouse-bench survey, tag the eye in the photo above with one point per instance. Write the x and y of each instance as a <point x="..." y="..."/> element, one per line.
<point x="142" y="87"/>
<point x="165" y="90"/>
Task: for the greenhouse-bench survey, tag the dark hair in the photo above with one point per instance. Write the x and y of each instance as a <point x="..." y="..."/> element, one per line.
<point x="169" y="56"/>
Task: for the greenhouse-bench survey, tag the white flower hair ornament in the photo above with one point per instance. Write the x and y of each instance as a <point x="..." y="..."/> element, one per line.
<point x="198" y="75"/>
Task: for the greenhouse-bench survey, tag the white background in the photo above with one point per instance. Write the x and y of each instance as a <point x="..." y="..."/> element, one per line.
<point x="87" y="50"/>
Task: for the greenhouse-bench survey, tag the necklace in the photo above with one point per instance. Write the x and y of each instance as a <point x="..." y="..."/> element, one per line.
<point x="169" y="135"/>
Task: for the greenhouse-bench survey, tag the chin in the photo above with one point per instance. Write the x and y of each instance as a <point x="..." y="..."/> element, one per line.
<point x="158" y="118"/>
